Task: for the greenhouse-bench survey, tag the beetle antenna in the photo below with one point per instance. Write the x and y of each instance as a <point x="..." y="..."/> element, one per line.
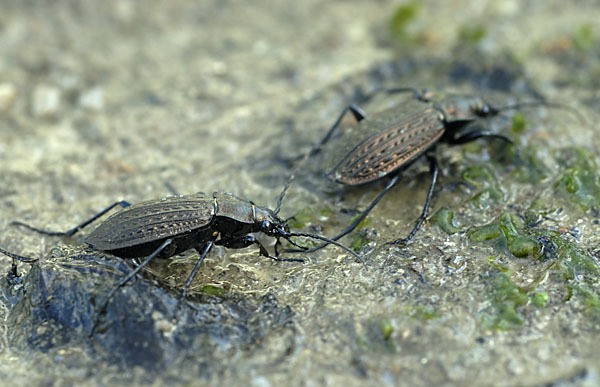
<point x="290" y="180"/>
<point x="287" y="236"/>
<point x="331" y="241"/>
<point x="285" y="188"/>
<point x="548" y="104"/>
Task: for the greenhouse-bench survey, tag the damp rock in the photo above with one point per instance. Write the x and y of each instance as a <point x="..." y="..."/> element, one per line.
<point x="143" y="326"/>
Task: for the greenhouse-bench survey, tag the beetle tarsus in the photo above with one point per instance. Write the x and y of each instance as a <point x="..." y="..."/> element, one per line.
<point x="75" y="229"/>
<point x="401" y="242"/>
<point x="13" y="277"/>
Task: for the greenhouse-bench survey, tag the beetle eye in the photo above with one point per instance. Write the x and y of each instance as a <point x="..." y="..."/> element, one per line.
<point x="484" y="110"/>
<point x="265" y="225"/>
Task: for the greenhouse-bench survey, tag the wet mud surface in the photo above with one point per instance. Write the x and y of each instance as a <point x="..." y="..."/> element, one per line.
<point x="120" y="101"/>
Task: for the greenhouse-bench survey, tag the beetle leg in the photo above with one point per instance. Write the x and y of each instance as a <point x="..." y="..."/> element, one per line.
<point x="171" y="189"/>
<point x="433" y="165"/>
<point x="75" y="229"/>
<point x="472" y="136"/>
<point x="125" y="279"/>
<point x="240" y="243"/>
<point x="248" y="240"/>
<point x="355" y="224"/>
<point x="277" y="244"/>
<point x="358" y="114"/>
<point x="18" y="257"/>
<point x="13" y="275"/>
<point x="203" y="250"/>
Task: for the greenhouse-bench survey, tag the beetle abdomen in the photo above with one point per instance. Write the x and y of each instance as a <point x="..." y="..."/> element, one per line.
<point x="153" y="220"/>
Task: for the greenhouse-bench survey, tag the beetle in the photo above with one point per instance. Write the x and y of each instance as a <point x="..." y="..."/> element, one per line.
<point x="389" y="141"/>
<point x="169" y="226"/>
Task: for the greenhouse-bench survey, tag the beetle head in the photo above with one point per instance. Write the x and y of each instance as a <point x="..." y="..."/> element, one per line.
<point x="272" y="225"/>
<point x="269" y="223"/>
<point x="482" y="109"/>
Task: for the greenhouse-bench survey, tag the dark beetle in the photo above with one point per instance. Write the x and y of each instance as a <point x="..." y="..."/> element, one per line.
<point x="166" y="227"/>
<point x="393" y="138"/>
<point x="139" y="230"/>
<point x="387" y="142"/>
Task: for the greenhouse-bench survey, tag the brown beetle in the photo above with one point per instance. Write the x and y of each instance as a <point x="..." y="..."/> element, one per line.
<point x="389" y="141"/>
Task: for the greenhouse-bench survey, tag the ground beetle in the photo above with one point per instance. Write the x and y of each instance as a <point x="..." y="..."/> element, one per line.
<point x="169" y="226"/>
<point x="387" y="142"/>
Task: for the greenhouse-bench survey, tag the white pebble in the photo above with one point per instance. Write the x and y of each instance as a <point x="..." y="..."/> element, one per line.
<point x="8" y="95"/>
<point x="92" y="99"/>
<point x="46" y="101"/>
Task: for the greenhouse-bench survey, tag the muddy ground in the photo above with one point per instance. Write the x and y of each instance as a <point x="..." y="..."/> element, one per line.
<point x="122" y="100"/>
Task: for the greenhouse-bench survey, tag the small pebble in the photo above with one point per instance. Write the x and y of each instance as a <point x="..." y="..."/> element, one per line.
<point x="8" y="95"/>
<point x="46" y="101"/>
<point x="92" y="99"/>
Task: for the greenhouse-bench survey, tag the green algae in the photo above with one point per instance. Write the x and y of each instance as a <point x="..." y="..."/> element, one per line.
<point x="386" y="327"/>
<point x="511" y="232"/>
<point x="444" y="219"/>
<point x="519" y="125"/>
<point x="366" y="222"/>
<point x="574" y="269"/>
<point x="312" y="215"/>
<point x="471" y="34"/>
<point x="529" y="165"/>
<point x="540" y="299"/>
<point x="375" y="335"/>
<point x="590" y="300"/>
<point x="212" y="290"/>
<point x="525" y="247"/>
<point x="309" y="215"/>
<point x="359" y="241"/>
<point x="402" y="17"/>
<point x="478" y="175"/>
<point x="583" y="38"/>
<point x="505" y="297"/>
<point x="483" y="177"/>
<point x="301" y="218"/>
<point x="580" y="181"/>
<point x="484" y="233"/>
<point x="573" y="260"/>
<point x="423" y="313"/>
